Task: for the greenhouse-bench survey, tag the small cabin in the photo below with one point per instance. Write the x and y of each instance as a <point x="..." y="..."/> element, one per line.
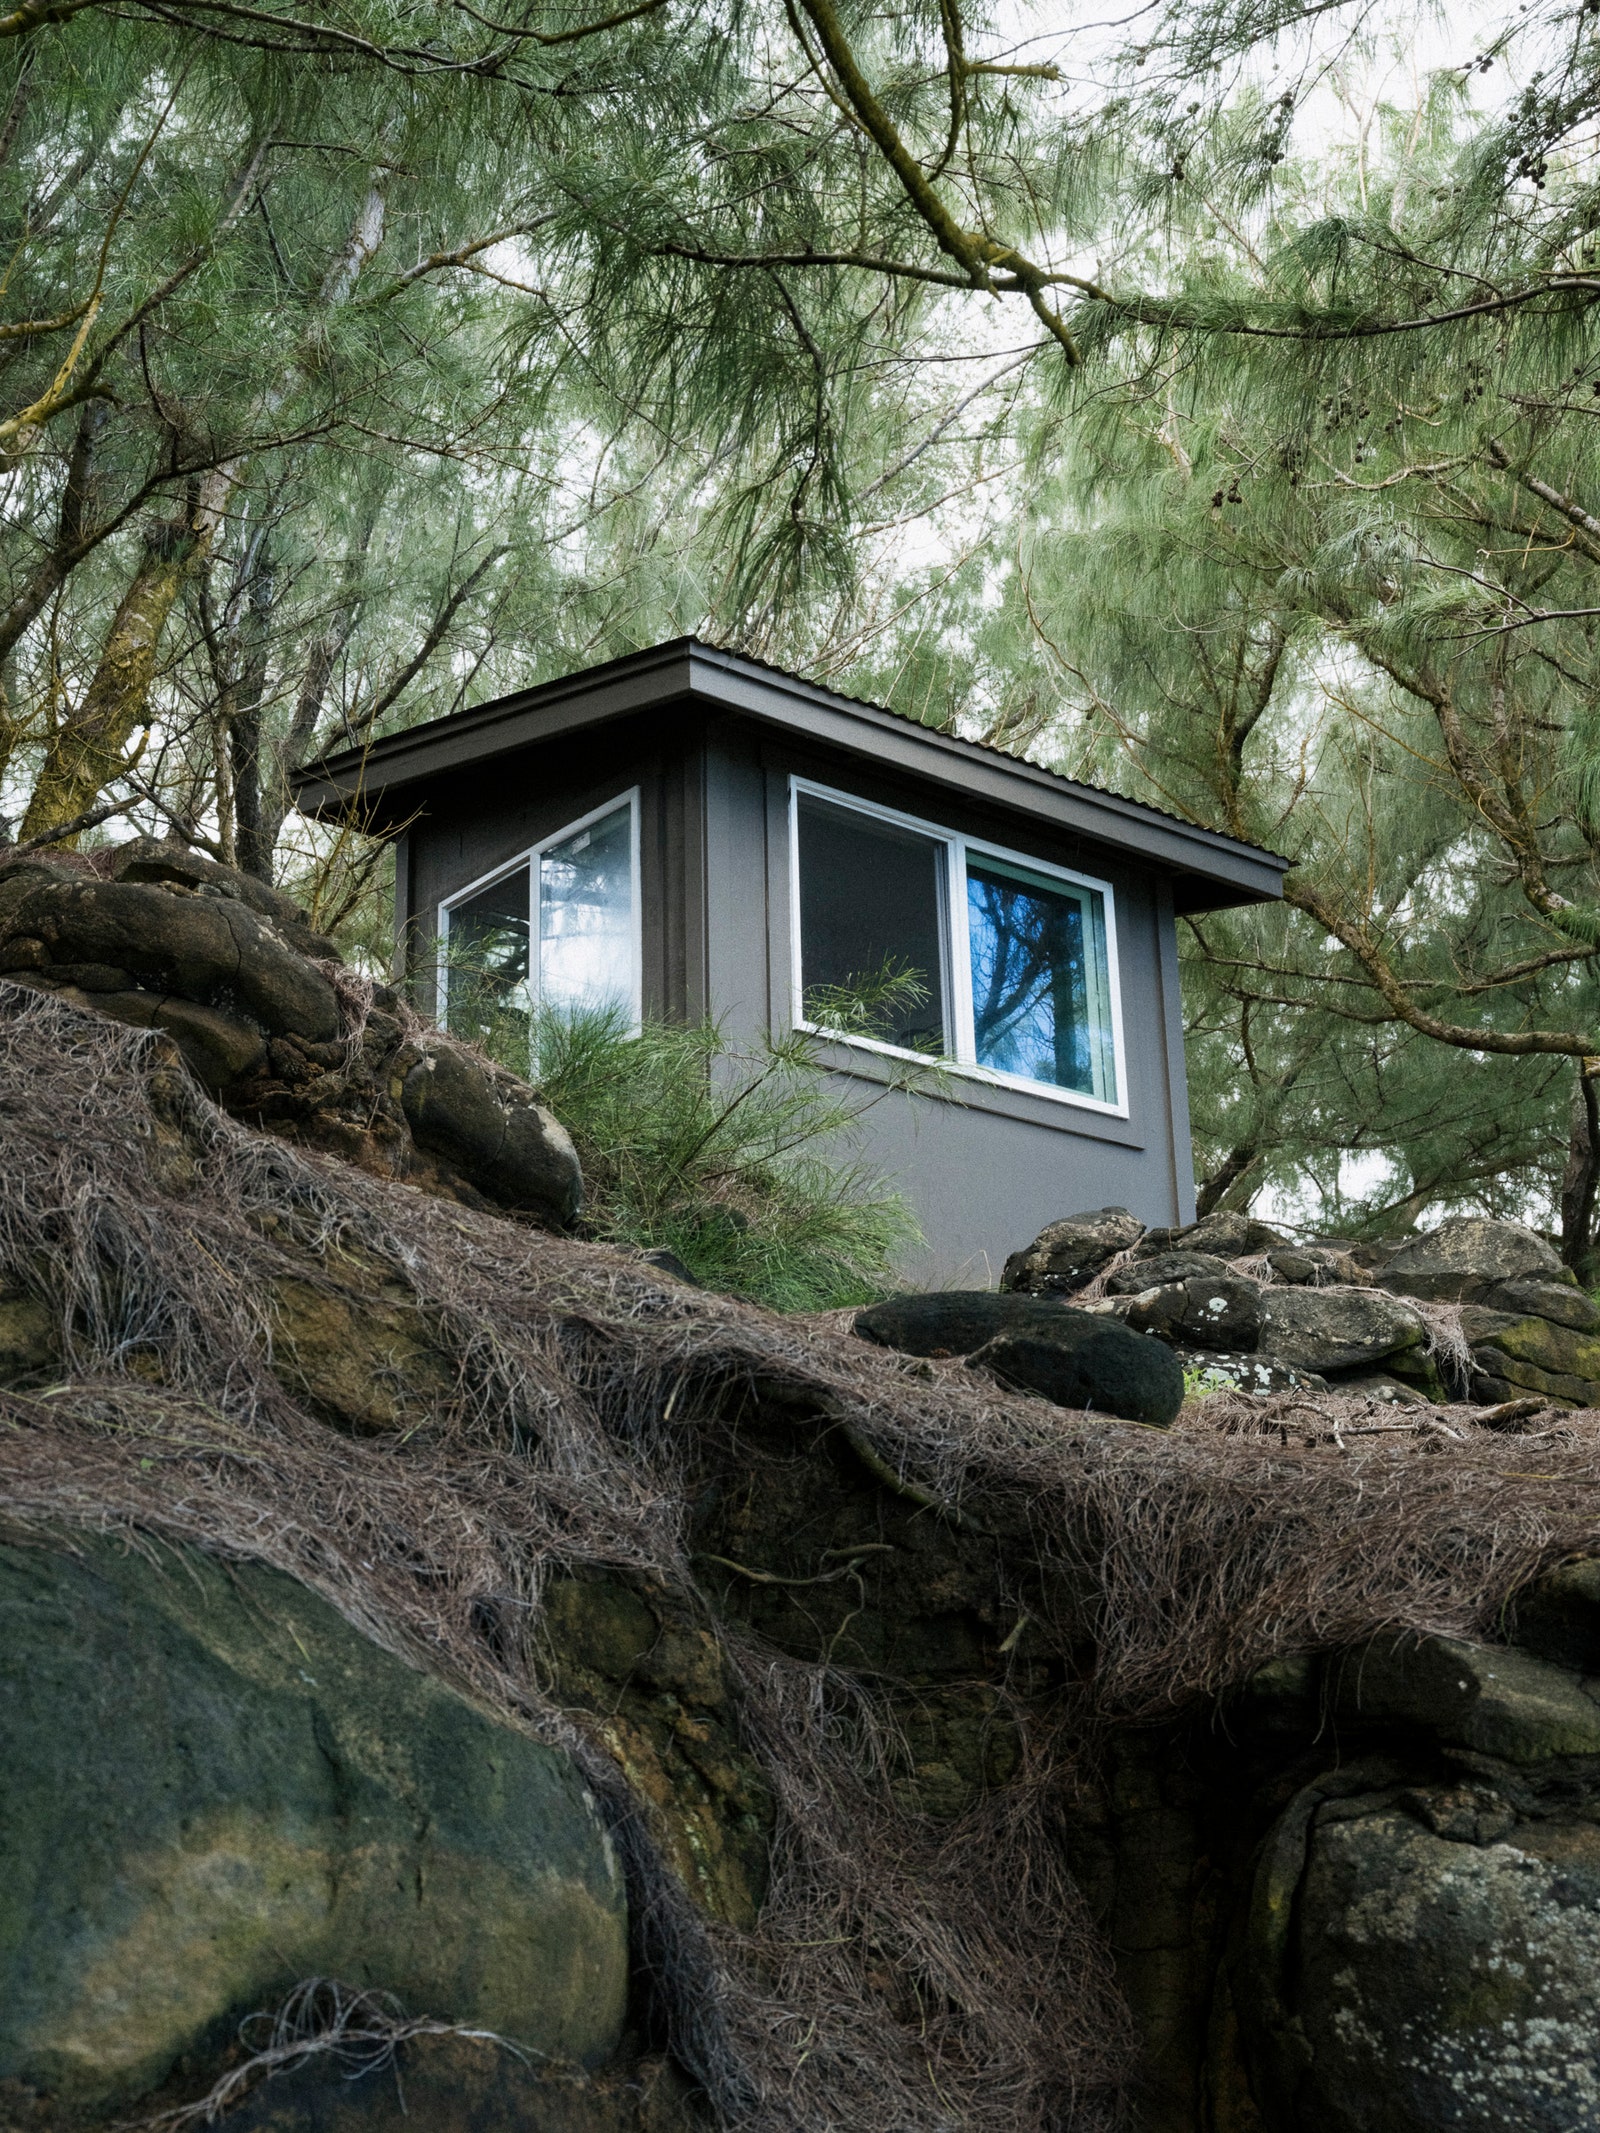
<point x="685" y="832"/>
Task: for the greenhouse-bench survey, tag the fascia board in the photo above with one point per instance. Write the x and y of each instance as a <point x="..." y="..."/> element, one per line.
<point x="1015" y="786"/>
<point x="685" y="670"/>
<point x="500" y="728"/>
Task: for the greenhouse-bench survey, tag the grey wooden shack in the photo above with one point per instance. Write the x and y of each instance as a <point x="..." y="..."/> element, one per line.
<point x="686" y="832"/>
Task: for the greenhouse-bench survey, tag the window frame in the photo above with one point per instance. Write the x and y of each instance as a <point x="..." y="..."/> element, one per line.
<point x="530" y="859"/>
<point x="956" y="950"/>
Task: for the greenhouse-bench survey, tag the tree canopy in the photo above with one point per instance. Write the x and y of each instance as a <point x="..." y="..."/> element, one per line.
<point x="1177" y="402"/>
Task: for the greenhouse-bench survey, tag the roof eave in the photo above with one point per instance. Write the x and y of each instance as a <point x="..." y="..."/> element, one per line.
<point x="1210" y="871"/>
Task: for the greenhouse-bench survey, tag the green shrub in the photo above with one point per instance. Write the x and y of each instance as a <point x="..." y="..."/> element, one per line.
<point x="741" y="1162"/>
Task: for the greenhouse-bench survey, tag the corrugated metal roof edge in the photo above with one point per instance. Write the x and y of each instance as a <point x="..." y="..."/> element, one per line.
<point x="331" y="766"/>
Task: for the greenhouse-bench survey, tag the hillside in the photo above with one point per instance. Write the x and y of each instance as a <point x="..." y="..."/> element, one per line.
<point x="503" y="1676"/>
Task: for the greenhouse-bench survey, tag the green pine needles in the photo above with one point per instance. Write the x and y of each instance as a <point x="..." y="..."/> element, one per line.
<point x="739" y="1160"/>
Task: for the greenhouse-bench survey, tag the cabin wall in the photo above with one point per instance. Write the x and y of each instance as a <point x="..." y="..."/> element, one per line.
<point x="985" y="1167"/>
<point x="482" y="820"/>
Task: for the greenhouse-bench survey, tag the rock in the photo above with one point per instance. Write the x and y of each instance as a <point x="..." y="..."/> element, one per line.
<point x="495" y="1130"/>
<point x="1089" y="1363"/>
<point x="455" y="2084"/>
<point x="1220" y="1311"/>
<point x="657" y="1680"/>
<point x="1530" y="1296"/>
<point x="1070" y="1253"/>
<point x="253" y="997"/>
<point x="954" y="1321"/>
<point x="1316" y="1266"/>
<point x="1496" y="1381"/>
<point x="1378" y="1385"/>
<point x="1558" y="1616"/>
<point x="220" y="1049"/>
<point x="29" y="1338"/>
<point x="1533" y="1355"/>
<point x="1336" y="1329"/>
<point x="1493" y="1700"/>
<point x="1207" y="1372"/>
<point x="214" y="1788"/>
<point x="670" y="1264"/>
<point x="1440" y="1969"/>
<point x="1079" y="1359"/>
<point x="155" y="859"/>
<point x="1165" y="1267"/>
<point x="1224" y="1236"/>
<point x="1549" y="1348"/>
<point x="354" y="1346"/>
<point x="209" y="949"/>
<point x="1465" y="1256"/>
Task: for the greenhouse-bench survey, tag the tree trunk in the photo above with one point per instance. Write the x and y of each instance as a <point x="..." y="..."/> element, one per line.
<point x="1579" y="1185"/>
<point x="1227" y="1174"/>
<point x="244" y="727"/>
<point x="87" y="749"/>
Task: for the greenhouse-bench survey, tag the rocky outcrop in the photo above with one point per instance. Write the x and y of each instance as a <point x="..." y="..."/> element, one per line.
<point x="215" y="1788"/>
<point x="1475" y="1309"/>
<point x="1467" y="1258"/>
<point x="266" y="1014"/>
<point x="1065" y="1257"/>
<point x="1375" y="1910"/>
<point x="1073" y="1358"/>
<point x="968" y="1760"/>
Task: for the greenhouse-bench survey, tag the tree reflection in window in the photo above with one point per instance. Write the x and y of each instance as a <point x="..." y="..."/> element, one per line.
<point x="487" y="997"/>
<point x="1039" y="980"/>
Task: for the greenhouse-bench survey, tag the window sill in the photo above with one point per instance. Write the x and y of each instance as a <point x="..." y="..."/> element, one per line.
<point x="974" y="1087"/>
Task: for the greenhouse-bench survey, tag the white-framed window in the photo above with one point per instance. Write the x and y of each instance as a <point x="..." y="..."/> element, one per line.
<point x="558" y="926"/>
<point x="1008" y="964"/>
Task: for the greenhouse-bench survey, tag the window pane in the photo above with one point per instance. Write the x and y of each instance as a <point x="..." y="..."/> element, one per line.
<point x="486" y="960"/>
<point x="586" y="916"/>
<point x="869" y="910"/>
<point x="1040" y="987"/>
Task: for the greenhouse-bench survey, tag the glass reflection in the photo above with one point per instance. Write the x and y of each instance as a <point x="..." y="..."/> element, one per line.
<point x="486" y="960"/>
<point x="1039" y="982"/>
<point x="586" y="916"/>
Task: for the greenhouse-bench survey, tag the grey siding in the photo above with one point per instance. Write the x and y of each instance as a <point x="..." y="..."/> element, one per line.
<point x="984" y="1167"/>
<point x="477" y="823"/>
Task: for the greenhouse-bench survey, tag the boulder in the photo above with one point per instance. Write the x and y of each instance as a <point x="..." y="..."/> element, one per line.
<point x="1490" y="1699"/>
<point x="1080" y="1359"/>
<point x="212" y="950"/>
<point x="1497" y="1378"/>
<point x="1439" y="1968"/>
<point x="1558" y="1616"/>
<point x="1206" y="1371"/>
<point x="214" y="1788"/>
<point x="1316" y="1266"/>
<point x="1336" y="1329"/>
<point x="1464" y="1257"/>
<point x="1068" y="1255"/>
<point x="1165" y="1267"/>
<point x="456" y="2084"/>
<point x="1563" y="1303"/>
<point x="1221" y="1311"/>
<point x="29" y="1339"/>
<point x="255" y="1001"/>
<point x="955" y="1321"/>
<point x="163" y="859"/>
<point x="1381" y="1385"/>
<point x="1224" y="1236"/>
<point x="1090" y="1363"/>
<point x="1548" y="1347"/>
<point x="494" y="1129"/>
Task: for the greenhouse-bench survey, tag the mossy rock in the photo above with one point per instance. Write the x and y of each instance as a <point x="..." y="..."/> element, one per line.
<point x="214" y="1787"/>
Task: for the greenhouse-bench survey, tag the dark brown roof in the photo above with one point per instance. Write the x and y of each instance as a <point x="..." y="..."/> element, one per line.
<point x="390" y="776"/>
